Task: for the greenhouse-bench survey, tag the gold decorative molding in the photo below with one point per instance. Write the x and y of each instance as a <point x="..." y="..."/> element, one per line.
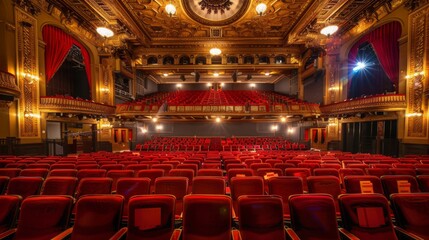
<point x="8" y="84"/>
<point x="392" y="102"/>
<point x="70" y="105"/>
<point x="416" y="126"/>
<point x="27" y="57"/>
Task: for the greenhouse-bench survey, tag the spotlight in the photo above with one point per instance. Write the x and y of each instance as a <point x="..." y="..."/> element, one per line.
<point x="359" y="66"/>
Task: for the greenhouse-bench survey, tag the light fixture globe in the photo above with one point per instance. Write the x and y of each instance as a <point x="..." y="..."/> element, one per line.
<point x="105" y="32"/>
<point x="261" y="8"/>
<point x="215" y="51"/>
<point x="170" y="9"/>
<point x="329" y="30"/>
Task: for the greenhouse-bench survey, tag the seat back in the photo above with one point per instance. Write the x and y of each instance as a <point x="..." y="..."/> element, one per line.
<point x="261" y="217"/>
<point x="207" y="217"/>
<point x="153" y="174"/>
<point x="4" y="180"/>
<point x="423" y="181"/>
<point x="151" y="217"/>
<point x="128" y="187"/>
<point x="24" y="186"/>
<point x="399" y="184"/>
<point x="43" y="217"/>
<point x="10" y="172"/>
<point x="326" y="172"/>
<point x="411" y="212"/>
<point x="238" y="172"/>
<point x="208" y="185"/>
<point x="94" y="185"/>
<point x="8" y="211"/>
<point x="284" y="187"/>
<point x="325" y="184"/>
<point x="97" y="217"/>
<point x="176" y="186"/>
<point x="62" y="173"/>
<point x="34" y="172"/>
<point x="115" y="175"/>
<point x="165" y="167"/>
<point x="367" y="216"/>
<point x="313" y="216"/>
<point x="59" y="186"/>
<point x="253" y="185"/>
<point x="304" y="173"/>
<point x="90" y="173"/>
<point x="210" y="172"/>
<point x="363" y="184"/>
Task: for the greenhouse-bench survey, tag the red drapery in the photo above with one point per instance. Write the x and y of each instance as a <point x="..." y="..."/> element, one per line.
<point x="384" y="41"/>
<point x="58" y="44"/>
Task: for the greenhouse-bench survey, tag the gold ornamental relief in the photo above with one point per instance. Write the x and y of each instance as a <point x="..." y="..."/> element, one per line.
<point x="27" y="65"/>
<point x="418" y="52"/>
<point x="215" y="12"/>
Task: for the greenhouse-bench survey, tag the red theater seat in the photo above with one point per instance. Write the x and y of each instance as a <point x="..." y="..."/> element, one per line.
<point x="207" y="217"/>
<point x="151" y="217"/>
<point x="411" y="213"/>
<point x="176" y="186"/>
<point x="367" y="216"/>
<point x="129" y="187"/>
<point x="261" y="217"/>
<point x="97" y="218"/>
<point x="41" y="217"/>
<point x="8" y="211"/>
<point x="59" y="186"/>
<point x="313" y="217"/>
<point x="285" y="187"/>
<point x="363" y="184"/>
<point x="208" y="185"/>
<point x="24" y="186"/>
<point x="253" y="185"/>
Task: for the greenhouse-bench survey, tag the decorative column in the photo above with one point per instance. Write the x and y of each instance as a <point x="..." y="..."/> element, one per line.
<point x="28" y="74"/>
<point x="416" y="114"/>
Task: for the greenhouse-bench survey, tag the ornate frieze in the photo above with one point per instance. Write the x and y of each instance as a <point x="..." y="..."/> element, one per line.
<point x="8" y="84"/>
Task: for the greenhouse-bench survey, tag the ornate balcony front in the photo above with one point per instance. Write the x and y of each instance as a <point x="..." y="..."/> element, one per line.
<point x="71" y="105"/>
<point x="304" y="109"/>
<point x="376" y="103"/>
<point x="8" y="85"/>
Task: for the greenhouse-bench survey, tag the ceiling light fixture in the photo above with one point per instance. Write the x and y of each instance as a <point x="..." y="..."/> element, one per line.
<point x="216" y="74"/>
<point x="261" y="8"/>
<point x="170" y="9"/>
<point x="215" y="51"/>
<point x="329" y="30"/>
<point x="105" y="32"/>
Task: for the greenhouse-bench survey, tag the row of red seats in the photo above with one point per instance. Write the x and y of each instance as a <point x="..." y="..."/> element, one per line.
<point x="210" y="216"/>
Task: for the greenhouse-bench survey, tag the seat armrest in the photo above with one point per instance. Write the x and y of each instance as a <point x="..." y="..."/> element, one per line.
<point x="236" y="234"/>
<point x="120" y="234"/>
<point x="8" y="233"/>
<point x="177" y="233"/>
<point x="64" y="234"/>
<point x="291" y="234"/>
<point x="344" y="234"/>
<point x="402" y="233"/>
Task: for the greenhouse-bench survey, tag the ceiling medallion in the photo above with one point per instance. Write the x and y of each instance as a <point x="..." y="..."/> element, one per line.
<point x="215" y="6"/>
<point x="215" y="12"/>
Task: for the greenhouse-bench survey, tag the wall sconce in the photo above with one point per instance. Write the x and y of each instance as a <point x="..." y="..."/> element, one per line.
<point x="414" y="114"/>
<point x="283" y="119"/>
<point x="261" y="8"/>
<point x="218" y="120"/>
<point x="30" y="114"/>
<point x="422" y="73"/>
<point x="105" y="90"/>
<point x="159" y="127"/>
<point x="30" y="77"/>
<point x="215" y="51"/>
<point x="154" y="119"/>
<point x="170" y="9"/>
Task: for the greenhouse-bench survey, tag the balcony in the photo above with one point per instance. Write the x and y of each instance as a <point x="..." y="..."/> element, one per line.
<point x="8" y="85"/>
<point x="376" y="103"/>
<point x="71" y="105"/>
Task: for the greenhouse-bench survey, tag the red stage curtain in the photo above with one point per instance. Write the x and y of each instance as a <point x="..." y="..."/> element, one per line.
<point x="58" y="44"/>
<point x="384" y="41"/>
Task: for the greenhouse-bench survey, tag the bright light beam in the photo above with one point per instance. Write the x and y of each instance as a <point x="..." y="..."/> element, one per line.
<point x="359" y="66"/>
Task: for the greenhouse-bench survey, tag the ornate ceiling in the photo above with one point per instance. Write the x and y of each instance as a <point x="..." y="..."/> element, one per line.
<point x="144" y="29"/>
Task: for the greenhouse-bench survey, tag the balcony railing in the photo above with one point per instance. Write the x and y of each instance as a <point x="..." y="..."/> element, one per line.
<point x="71" y="105"/>
<point x="196" y="109"/>
<point x="389" y="102"/>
